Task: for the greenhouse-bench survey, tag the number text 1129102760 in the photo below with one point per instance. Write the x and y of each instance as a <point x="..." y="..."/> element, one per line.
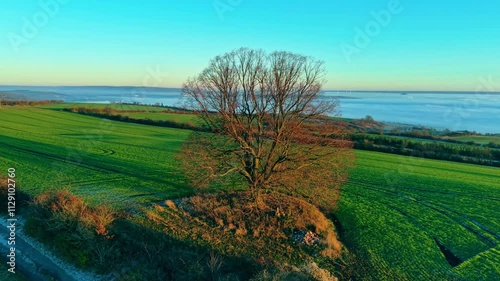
<point x="11" y="220"/>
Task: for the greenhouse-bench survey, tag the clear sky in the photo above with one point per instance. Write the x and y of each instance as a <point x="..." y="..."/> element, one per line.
<point x="366" y="44"/>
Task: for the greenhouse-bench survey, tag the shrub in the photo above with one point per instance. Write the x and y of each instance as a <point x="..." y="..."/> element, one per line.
<point x="71" y="208"/>
<point x="76" y="230"/>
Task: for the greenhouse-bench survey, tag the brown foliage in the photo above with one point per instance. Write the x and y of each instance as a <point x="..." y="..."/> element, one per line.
<point x="27" y="102"/>
<point x="105" y="110"/>
<point x="72" y="207"/>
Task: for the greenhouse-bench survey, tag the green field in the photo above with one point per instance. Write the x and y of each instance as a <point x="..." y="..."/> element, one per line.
<point x="152" y="112"/>
<point x="393" y="209"/>
<point x="101" y="159"/>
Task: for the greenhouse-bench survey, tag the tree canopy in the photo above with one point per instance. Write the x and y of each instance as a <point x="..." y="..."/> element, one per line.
<point x="268" y="118"/>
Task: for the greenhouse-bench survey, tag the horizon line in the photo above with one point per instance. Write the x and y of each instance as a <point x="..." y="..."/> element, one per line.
<point x="325" y="90"/>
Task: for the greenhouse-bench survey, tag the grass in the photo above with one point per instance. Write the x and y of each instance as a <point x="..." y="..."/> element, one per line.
<point x="392" y="211"/>
<point x="485" y="261"/>
<point x="394" y="208"/>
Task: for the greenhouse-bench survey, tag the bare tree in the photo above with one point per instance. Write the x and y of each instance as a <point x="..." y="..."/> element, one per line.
<point x="267" y="115"/>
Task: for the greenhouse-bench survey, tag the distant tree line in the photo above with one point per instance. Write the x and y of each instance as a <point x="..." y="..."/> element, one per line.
<point x="432" y="134"/>
<point x="368" y="125"/>
<point x="482" y="155"/>
<point x="493" y="145"/>
<point x="104" y="110"/>
<point x="27" y="103"/>
<point x="157" y="104"/>
<point x="112" y="114"/>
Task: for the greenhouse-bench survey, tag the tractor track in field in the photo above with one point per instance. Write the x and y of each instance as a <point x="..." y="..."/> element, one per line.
<point x="61" y="159"/>
<point x="86" y="166"/>
<point x="474" y="195"/>
<point x="134" y="145"/>
<point x="467" y="219"/>
<point x="89" y="125"/>
<point x="38" y="119"/>
<point x="41" y="112"/>
<point x="85" y="182"/>
<point x="79" y="133"/>
<point x="463" y="221"/>
<point x="13" y="122"/>
<point x="445" y="212"/>
<point x="452" y="259"/>
<point x="108" y="152"/>
<point x="13" y="129"/>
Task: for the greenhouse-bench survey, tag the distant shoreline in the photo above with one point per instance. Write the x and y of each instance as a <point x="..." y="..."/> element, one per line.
<point x="325" y="90"/>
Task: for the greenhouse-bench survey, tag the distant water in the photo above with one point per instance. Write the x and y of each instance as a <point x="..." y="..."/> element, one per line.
<point x="478" y="112"/>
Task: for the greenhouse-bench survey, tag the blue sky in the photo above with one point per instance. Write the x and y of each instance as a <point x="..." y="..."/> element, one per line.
<point x="366" y="44"/>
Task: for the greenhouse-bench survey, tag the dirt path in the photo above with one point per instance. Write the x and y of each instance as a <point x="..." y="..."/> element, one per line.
<point x="36" y="262"/>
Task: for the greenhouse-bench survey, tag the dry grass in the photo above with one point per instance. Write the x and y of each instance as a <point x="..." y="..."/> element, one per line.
<point x="77" y="231"/>
<point x="308" y="271"/>
<point x="236" y="224"/>
<point x="317" y="273"/>
<point x="66" y="205"/>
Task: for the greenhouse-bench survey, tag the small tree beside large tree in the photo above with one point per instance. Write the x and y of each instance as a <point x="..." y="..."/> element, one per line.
<point x="268" y="121"/>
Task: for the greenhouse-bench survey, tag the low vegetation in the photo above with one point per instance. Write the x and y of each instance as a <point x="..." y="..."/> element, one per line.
<point x="77" y="231"/>
<point x="458" y="152"/>
<point x="27" y="102"/>
<point x="234" y="224"/>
